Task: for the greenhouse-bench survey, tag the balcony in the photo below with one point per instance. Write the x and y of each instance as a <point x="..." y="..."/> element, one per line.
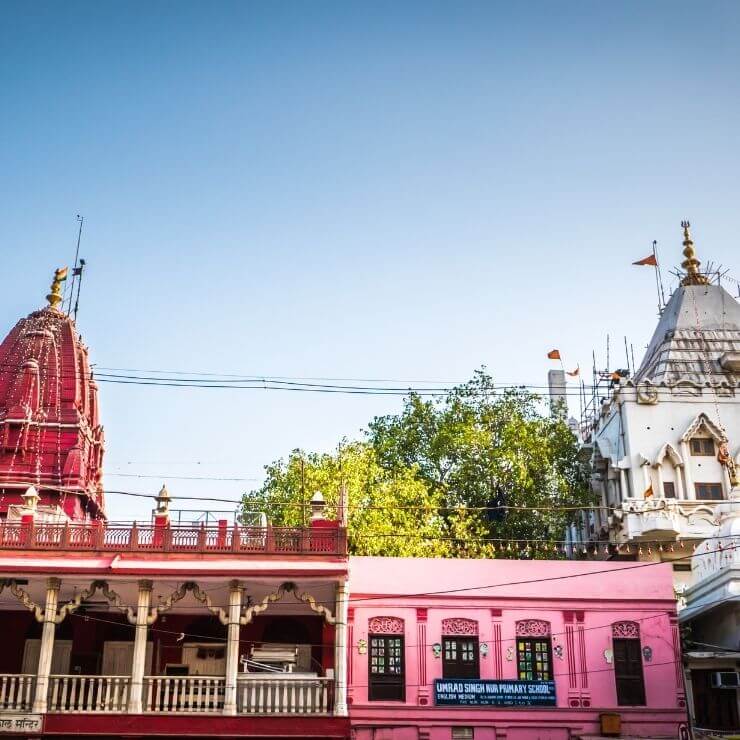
<point x="257" y="694"/>
<point x="114" y="538"/>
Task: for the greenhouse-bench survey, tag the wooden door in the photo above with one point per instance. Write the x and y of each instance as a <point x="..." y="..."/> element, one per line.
<point x="60" y="657"/>
<point x="628" y="672"/>
<point x="118" y="658"/>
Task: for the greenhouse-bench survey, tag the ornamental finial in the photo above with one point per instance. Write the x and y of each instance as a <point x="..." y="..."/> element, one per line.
<point x="691" y="263"/>
<point x="55" y="296"/>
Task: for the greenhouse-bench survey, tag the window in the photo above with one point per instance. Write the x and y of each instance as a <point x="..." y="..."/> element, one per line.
<point x="460" y="657"/>
<point x="702" y="446"/>
<point x="628" y="672"/>
<point x="386" y="668"/>
<point x="708" y="491"/>
<point x="534" y="659"/>
<point x="669" y="489"/>
<point x="462" y="733"/>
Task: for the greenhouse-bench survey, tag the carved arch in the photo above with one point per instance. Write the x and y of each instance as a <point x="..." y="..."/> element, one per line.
<point x="460" y="626"/>
<point x="385" y="626"/>
<point x="702" y="421"/>
<point x="669" y="451"/>
<point x="532" y="628"/>
<point x="626" y="629"/>
<point x="287" y="588"/>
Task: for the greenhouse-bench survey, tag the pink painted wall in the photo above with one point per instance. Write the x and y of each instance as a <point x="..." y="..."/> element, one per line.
<point x="580" y="601"/>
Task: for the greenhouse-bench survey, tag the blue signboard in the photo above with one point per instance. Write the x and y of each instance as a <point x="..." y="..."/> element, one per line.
<point x="456" y="692"/>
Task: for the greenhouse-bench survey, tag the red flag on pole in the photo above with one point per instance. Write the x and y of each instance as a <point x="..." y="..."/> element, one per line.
<point x="553" y="354"/>
<point x="647" y="261"/>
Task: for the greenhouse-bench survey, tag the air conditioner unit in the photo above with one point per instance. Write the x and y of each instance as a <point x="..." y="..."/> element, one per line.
<point x="726" y="680"/>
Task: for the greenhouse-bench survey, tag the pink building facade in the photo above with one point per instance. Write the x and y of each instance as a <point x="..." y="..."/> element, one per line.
<point x="532" y="649"/>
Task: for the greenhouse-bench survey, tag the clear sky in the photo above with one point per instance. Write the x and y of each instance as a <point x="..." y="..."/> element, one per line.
<point x="352" y="190"/>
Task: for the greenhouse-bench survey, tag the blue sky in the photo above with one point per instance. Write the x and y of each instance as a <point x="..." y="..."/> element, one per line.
<point x="353" y="190"/>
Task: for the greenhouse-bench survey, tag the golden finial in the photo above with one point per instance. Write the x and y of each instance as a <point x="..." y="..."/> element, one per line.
<point x="691" y="263"/>
<point x="55" y="297"/>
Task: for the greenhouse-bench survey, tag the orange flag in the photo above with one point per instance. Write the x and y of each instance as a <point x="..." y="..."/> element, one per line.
<point x="647" y="261"/>
<point x="575" y="372"/>
<point x="649" y="492"/>
<point x="553" y="354"/>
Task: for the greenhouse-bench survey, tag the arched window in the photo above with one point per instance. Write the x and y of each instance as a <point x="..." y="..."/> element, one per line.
<point x="460" y="648"/>
<point x="533" y="650"/>
<point x="628" y="664"/>
<point x="386" y="663"/>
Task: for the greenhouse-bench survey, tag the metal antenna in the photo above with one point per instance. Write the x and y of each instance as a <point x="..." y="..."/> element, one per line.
<point x="75" y="272"/>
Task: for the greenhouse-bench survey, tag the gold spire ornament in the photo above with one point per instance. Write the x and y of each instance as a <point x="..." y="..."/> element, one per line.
<point x="691" y="263"/>
<point x="55" y="297"/>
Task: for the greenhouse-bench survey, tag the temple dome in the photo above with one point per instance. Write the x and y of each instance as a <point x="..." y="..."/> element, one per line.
<point x="50" y="435"/>
<point x="698" y="336"/>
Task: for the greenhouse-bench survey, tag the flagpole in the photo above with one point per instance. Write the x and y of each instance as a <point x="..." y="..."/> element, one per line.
<point x="81" y="220"/>
<point x="658" y="279"/>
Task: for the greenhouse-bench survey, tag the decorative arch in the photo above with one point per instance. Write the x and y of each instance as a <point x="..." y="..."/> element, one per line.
<point x="532" y="628"/>
<point x="626" y="629"/>
<point x="385" y="626"/>
<point x="702" y="421"/>
<point x="453" y="626"/>
<point x="669" y="451"/>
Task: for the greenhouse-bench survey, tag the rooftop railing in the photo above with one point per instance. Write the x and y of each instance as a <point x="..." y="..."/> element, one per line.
<point x="201" y="539"/>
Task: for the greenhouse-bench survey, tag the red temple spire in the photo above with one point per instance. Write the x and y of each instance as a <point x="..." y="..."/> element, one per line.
<point x="50" y="436"/>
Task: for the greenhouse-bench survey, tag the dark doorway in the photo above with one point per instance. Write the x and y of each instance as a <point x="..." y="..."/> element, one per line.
<point x="715" y="709"/>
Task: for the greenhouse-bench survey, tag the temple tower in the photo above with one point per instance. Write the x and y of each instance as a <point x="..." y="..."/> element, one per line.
<point x="50" y="435"/>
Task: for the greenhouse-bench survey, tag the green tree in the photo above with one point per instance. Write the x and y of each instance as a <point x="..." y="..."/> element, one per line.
<point x="389" y="512"/>
<point x="424" y="481"/>
<point x="481" y="447"/>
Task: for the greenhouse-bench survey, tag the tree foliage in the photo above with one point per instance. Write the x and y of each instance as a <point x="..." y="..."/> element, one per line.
<point x="431" y="480"/>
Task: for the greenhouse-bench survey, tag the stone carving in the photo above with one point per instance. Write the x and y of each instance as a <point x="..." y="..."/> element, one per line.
<point x="626" y="630"/>
<point x="385" y="626"/>
<point x="647" y="394"/>
<point x="459" y="627"/>
<point x="532" y="628"/>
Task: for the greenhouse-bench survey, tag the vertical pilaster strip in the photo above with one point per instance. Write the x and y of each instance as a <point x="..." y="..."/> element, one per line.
<point x="47" y="645"/>
<point x="496" y="645"/>
<point x="138" y="665"/>
<point x="232" y="646"/>
<point x="570" y="650"/>
<point x="421" y="646"/>
<point x="582" y="653"/>
<point x="340" y="646"/>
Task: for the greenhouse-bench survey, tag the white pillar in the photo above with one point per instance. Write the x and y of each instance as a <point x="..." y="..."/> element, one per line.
<point x="660" y="493"/>
<point x="340" y="650"/>
<point x="678" y="474"/>
<point x="232" y="646"/>
<point x="138" y="666"/>
<point x="47" y="645"/>
<point x="689" y="483"/>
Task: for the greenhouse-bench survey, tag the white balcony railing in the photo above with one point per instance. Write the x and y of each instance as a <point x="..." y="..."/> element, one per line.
<point x="88" y="693"/>
<point x="278" y="694"/>
<point x="184" y="693"/>
<point x="16" y="692"/>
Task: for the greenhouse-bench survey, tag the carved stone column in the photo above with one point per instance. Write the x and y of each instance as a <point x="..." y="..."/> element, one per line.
<point x="47" y="645"/>
<point x="340" y="647"/>
<point x="139" y="661"/>
<point x="232" y="646"/>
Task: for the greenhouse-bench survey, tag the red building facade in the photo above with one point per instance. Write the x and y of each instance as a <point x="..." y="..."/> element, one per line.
<point x="154" y="630"/>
